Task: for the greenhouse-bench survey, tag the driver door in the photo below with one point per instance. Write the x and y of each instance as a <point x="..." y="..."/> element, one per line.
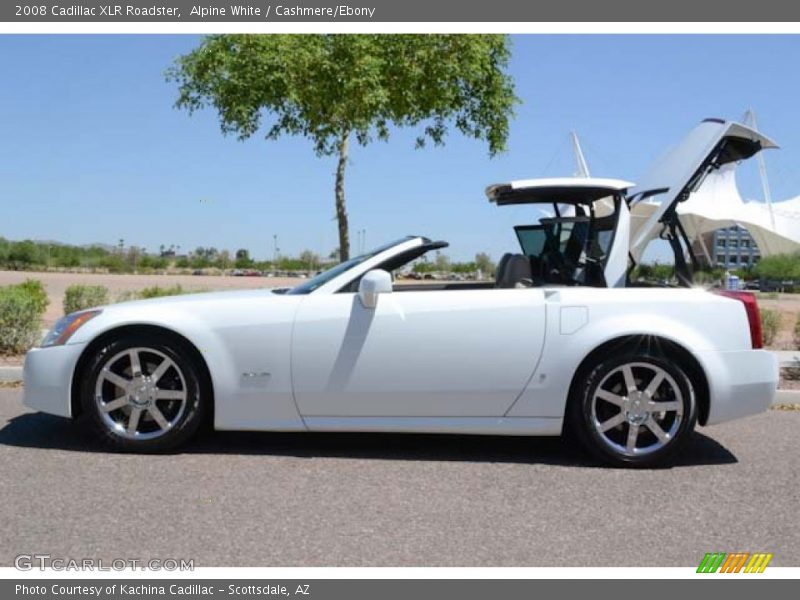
<point x="445" y="353"/>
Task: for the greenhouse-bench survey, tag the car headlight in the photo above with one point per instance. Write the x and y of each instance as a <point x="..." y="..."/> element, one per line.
<point x="66" y="326"/>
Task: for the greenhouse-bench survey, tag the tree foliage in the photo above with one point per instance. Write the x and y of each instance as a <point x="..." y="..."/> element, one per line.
<point x="319" y="86"/>
<point x="328" y="88"/>
<point x="779" y="267"/>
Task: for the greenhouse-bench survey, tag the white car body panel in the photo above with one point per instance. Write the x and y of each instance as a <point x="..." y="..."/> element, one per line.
<point x="469" y="425"/>
<point x="244" y="339"/>
<point x="616" y="269"/>
<point x="426" y="365"/>
<point x="465" y="353"/>
<point x="705" y="324"/>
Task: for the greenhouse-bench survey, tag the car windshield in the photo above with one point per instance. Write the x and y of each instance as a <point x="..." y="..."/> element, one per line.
<point x="315" y="282"/>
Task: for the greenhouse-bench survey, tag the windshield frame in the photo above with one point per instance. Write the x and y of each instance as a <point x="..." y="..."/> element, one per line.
<point x="338" y="276"/>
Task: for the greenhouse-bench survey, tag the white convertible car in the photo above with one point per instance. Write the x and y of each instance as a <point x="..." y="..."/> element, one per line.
<point x="563" y="341"/>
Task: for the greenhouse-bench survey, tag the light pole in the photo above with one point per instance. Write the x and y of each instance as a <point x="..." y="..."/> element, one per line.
<point x="361" y="240"/>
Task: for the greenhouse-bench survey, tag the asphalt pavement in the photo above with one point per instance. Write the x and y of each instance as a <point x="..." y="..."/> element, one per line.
<point x="266" y="499"/>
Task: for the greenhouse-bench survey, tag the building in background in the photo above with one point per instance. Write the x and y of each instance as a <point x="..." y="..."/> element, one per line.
<point x="734" y="248"/>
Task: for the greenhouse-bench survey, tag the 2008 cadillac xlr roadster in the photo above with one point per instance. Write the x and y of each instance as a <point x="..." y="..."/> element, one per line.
<point x="562" y="340"/>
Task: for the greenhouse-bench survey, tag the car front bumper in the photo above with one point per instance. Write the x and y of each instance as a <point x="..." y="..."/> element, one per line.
<point x="48" y="378"/>
<point x="740" y="383"/>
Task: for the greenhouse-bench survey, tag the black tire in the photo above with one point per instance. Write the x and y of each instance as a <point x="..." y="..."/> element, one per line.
<point x="183" y="378"/>
<point x="586" y="414"/>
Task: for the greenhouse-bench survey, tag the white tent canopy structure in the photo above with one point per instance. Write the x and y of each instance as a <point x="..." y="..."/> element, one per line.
<point x="717" y="204"/>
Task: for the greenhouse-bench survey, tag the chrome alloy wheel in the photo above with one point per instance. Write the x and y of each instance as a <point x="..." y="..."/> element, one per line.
<point x="637" y="409"/>
<point x="140" y="393"/>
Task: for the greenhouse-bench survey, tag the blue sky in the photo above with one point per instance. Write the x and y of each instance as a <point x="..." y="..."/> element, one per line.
<point x="92" y="150"/>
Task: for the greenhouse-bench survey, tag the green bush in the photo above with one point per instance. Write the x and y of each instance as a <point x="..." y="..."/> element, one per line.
<point x="770" y="324"/>
<point x="21" y="309"/>
<point x="153" y="292"/>
<point x="80" y="297"/>
<point x="158" y="292"/>
<point x="35" y="289"/>
<point x="779" y="266"/>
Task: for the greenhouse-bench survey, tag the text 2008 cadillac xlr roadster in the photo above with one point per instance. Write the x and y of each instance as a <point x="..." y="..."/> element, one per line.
<point x="563" y="340"/>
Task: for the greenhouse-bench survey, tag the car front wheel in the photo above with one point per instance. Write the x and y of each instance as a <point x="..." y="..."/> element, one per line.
<point x="143" y="393"/>
<point x="637" y="409"/>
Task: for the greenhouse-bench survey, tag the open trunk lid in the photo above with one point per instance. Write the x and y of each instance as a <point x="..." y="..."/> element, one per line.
<point x="709" y="146"/>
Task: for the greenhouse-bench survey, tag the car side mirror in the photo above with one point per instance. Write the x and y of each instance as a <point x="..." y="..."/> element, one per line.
<point x="373" y="283"/>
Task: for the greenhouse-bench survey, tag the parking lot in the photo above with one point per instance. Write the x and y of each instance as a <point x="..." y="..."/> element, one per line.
<point x="262" y="499"/>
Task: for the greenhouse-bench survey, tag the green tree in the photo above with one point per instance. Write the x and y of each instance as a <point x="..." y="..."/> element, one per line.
<point x="442" y="262"/>
<point x="224" y="260"/>
<point x="310" y="259"/>
<point x="243" y="259"/>
<point x="778" y="266"/>
<point x="484" y="263"/>
<point x="332" y="88"/>
<point x="24" y="254"/>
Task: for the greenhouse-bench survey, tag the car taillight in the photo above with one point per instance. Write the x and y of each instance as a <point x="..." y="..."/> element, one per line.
<point x="753" y="316"/>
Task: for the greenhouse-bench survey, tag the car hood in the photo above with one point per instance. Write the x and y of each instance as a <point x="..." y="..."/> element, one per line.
<point x="199" y="297"/>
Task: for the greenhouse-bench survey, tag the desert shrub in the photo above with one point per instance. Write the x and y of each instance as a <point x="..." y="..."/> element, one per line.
<point x="157" y="291"/>
<point x="770" y="324"/>
<point x="153" y="292"/>
<point x="21" y="309"/>
<point x="80" y="297"/>
<point x="35" y="289"/>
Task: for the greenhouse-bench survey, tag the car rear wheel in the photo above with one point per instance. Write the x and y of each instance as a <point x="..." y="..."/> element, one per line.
<point x="144" y="393"/>
<point x="637" y="409"/>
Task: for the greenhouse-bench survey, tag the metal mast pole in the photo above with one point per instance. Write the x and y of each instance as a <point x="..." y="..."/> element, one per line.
<point x="750" y="121"/>
<point x="581" y="168"/>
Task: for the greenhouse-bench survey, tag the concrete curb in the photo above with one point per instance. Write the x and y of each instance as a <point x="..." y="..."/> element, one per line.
<point x="788" y="358"/>
<point x="787" y="397"/>
<point x="13" y="374"/>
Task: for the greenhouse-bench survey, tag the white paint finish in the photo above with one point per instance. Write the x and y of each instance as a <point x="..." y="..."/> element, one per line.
<point x="572" y="318"/>
<point x="612" y="185"/>
<point x="47" y="374"/>
<point x="616" y="269"/>
<point x="422" y="359"/>
<point x="570" y="182"/>
<point x="741" y="383"/>
<point x="418" y="353"/>
<point x="473" y="425"/>
<point x="373" y="283"/>
<point x="697" y="320"/>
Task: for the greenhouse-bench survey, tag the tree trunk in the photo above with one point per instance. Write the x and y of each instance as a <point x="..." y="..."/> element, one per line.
<point x="341" y="210"/>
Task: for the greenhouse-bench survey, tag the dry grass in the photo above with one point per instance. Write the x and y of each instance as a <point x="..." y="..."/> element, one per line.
<point x="788" y="307"/>
<point x="785" y="407"/>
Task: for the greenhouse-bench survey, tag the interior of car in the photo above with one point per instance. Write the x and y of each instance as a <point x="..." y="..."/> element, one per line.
<point x="561" y="250"/>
